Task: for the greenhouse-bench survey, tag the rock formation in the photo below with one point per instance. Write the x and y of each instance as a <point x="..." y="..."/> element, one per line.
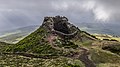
<point x="60" y="25"/>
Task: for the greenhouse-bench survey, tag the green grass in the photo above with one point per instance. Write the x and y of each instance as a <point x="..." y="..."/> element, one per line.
<point x="100" y="56"/>
<point x="34" y="43"/>
<point x="113" y="48"/>
<point x="87" y="43"/>
<point x="108" y="65"/>
<point x="3" y="45"/>
<point x="37" y="42"/>
<point x="21" y="61"/>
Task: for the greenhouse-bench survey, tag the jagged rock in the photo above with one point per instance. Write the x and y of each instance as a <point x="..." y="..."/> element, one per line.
<point x="61" y="26"/>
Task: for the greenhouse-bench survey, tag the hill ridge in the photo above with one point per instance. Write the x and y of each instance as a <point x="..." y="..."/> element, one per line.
<point x="57" y="38"/>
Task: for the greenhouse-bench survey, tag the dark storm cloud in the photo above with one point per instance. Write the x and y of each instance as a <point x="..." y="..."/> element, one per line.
<point x="18" y="13"/>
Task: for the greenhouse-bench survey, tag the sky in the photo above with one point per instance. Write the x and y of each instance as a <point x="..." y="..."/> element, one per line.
<point x="20" y="13"/>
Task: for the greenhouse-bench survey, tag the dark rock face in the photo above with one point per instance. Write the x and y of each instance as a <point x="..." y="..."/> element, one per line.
<point x="60" y="25"/>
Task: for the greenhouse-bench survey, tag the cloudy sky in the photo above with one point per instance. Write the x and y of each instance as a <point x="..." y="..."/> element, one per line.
<point x="20" y="13"/>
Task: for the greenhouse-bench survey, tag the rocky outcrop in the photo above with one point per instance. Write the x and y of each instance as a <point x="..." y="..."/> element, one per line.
<point x="60" y="25"/>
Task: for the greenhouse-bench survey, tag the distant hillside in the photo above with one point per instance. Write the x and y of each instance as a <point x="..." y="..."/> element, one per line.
<point x="100" y="28"/>
<point x="13" y="36"/>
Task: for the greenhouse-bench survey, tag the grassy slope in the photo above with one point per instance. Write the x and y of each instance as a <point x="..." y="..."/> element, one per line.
<point x="3" y="46"/>
<point x="106" y="36"/>
<point x="21" y="61"/>
<point x="110" y="43"/>
<point x="104" y="58"/>
<point x="36" y="43"/>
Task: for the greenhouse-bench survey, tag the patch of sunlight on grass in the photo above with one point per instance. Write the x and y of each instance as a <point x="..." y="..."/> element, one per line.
<point x="108" y="65"/>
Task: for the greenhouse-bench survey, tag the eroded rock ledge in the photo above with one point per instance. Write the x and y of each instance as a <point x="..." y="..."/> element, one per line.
<point x="60" y="25"/>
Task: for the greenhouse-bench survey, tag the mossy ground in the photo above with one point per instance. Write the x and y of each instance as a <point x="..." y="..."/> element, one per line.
<point x="34" y="43"/>
<point x="21" y="61"/>
<point x="104" y="58"/>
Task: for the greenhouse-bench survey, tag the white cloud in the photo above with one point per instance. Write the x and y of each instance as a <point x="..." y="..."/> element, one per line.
<point x="99" y="11"/>
<point x="101" y="14"/>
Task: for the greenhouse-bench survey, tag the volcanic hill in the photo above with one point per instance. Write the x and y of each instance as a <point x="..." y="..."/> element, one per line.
<point x="57" y="40"/>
